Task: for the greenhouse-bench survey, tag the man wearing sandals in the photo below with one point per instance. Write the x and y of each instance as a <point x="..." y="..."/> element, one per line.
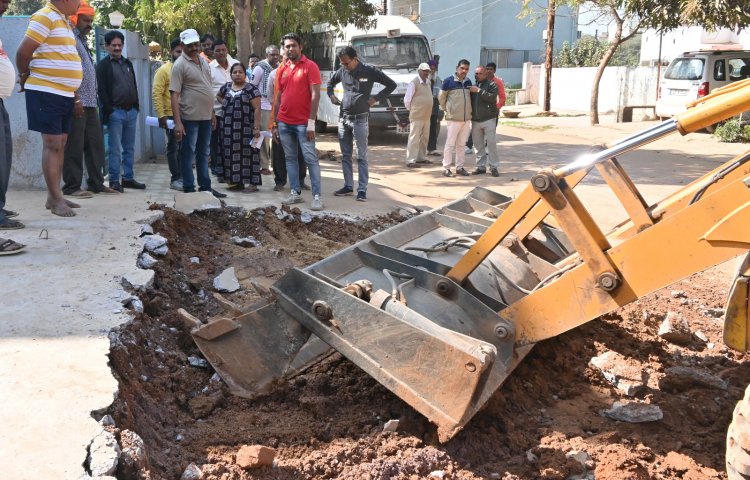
<point x="7" y="82"/>
<point x="51" y="92"/>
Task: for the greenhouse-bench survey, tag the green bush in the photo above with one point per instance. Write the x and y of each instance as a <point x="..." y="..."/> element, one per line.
<point x="733" y="131"/>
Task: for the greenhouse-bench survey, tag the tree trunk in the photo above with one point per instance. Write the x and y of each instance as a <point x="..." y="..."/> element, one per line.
<point x="548" y="55"/>
<point x="243" y="13"/>
<point x="616" y="42"/>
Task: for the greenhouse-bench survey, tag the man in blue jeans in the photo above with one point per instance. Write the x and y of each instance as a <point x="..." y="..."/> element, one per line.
<point x="118" y="94"/>
<point x="357" y="79"/>
<point x="193" y="109"/>
<point x="296" y="99"/>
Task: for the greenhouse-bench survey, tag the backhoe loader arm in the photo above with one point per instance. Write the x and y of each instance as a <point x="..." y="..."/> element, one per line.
<point x="441" y="308"/>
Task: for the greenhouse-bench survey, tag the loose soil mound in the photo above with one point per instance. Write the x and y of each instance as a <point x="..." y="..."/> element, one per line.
<point x="328" y="422"/>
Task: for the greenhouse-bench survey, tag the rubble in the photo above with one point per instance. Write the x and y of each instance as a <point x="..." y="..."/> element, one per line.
<point x="633" y="412"/>
<point x="104" y="453"/>
<point x="192" y="472"/>
<point x="679" y="379"/>
<point x="155" y="244"/>
<point x="133" y="457"/>
<point x="623" y="373"/>
<point x="146" y="230"/>
<point x="227" y="281"/>
<point x="390" y="426"/>
<point x="138" y="279"/>
<point x="255" y="456"/>
<point x="146" y="261"/>
<point x="675" y="329"/>
<point x="154" y="217"/>
<point x="246" y="241"/>
<point x="197" y="362"/>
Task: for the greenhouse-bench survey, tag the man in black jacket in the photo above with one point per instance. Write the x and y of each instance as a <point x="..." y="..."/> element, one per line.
<point x="484" y="121"/>
<point x="357" y="80"/>
<point x="118" y="94"/>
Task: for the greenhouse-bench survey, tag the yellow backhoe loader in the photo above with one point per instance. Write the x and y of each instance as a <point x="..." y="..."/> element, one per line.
<point x="441" y="308"/>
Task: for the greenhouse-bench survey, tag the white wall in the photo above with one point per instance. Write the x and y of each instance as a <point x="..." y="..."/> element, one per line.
<point x="619" y="87"/>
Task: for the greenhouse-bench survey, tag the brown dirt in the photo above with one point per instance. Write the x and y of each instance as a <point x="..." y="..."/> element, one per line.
<point x="328" y="422"/>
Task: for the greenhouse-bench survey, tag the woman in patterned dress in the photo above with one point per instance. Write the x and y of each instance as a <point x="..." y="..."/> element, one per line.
<point x="239" y="126"/>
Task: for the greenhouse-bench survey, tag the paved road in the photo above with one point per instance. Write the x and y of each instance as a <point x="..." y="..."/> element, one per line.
<point x="61" y="297"/>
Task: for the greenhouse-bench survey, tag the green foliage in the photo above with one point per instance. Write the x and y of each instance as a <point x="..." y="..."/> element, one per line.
<point x="671" y="14"/>
<point x="586" y="52"/>
<point x="733" y="131"/>
<point x="163" y="20"/>
<point x="24" y="7"/>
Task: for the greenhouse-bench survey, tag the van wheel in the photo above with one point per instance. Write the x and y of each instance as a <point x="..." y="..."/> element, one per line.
<point x="320" y="126"/>
<point x="738" y="441"/>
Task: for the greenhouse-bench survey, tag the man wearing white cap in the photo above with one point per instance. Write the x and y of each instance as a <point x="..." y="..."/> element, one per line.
<point x="418" y="100"/>
<point x="193" y="109"/>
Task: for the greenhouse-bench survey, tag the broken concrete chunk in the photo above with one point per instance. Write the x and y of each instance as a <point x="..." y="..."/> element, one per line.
<point x="153" y="241"/>
<point x="680" y="379"/>
<point x="305" y="217"/>
<point x="107" y="421"/>
<point x="246" y="241"/>
<point x="146" y="230"/>
<point x="161" y="251"/>
<point x="138" y="279"/>
<point x="104" y="453"/>
<point x="633" y="412"/>
<point x="192" y="472"/>
<point x="701" y="336"/>
<point x="255" y="456"/>
<point x="390" y="426"/>
<point x="197" y="362"/>
<point x="195" y="202"/>
<point x="678" y="294"/>
<point x="227" y="281"/>
<point x="155" y="216"/>
<point x="133" y="303"/>
<point x="145" y="261"/>
<point x="675" y="329"/>
<point x="437" y="474"/>
<point x="625" y="374"/>
<point x="195" y="260"/>
<point x="714" y="312"/>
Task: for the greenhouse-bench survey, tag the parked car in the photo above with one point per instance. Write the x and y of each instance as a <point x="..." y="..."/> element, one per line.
<point x="695" y="74"/>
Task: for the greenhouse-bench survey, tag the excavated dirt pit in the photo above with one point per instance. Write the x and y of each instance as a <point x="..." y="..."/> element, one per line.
<point x="327" y="423"/>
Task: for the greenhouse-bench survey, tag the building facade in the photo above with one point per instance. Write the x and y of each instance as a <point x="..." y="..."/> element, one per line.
<point x="485" y="31"/>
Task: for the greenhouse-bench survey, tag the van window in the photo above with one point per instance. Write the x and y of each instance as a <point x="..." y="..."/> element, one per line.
<point x="685" y="69"/>
<point x="392" y="52"/>
<point x="739" y="68"/>
<point x="720" y="71"/>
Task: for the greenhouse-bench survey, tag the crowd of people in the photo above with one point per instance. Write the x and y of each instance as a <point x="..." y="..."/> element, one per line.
<point x="239" y="122"/>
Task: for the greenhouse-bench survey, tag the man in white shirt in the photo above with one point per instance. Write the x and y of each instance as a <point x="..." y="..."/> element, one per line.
<point x="261" y="74"/>
<point x="220" y="66"/>
<point x="418" y="100"/>
<point x="7" y="82"/>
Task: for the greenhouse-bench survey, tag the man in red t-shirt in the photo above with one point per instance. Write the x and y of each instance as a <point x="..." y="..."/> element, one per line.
<point x="296" y="106"/>
<point x="491" y="67"/>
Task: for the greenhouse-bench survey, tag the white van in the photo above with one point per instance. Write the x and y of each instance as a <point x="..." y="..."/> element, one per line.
<point x="395" y="45"/>
<point x="695" y="74"/>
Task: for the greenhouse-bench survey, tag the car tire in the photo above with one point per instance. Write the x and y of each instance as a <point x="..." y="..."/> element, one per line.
<point x="738" y="441"/>
<point x="320" y="126"/>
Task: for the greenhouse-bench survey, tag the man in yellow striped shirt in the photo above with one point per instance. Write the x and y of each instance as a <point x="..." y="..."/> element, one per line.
<point x="50" y="72"/>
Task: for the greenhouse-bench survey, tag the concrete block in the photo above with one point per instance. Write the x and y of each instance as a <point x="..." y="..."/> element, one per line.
<point x="138" y="279"/>
<point x="227" y="281"/>
<point x="675" y="329"/>
<point x="104" y="453"/>
<point x="633" y="412"/>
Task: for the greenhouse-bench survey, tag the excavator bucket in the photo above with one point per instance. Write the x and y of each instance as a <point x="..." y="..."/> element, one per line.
<point x="386" y="304"/>
<point x="441" y="308"/>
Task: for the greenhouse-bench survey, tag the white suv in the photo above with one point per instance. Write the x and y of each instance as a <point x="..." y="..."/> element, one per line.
<point x="694" y="74"/>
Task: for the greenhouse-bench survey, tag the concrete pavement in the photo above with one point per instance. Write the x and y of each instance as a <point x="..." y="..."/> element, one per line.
<point x="62" y="296"/>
